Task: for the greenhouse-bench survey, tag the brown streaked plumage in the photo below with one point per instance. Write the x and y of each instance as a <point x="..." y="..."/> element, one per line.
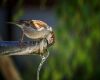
<point x="35" y="29"/>
<point x="39" y="24"/>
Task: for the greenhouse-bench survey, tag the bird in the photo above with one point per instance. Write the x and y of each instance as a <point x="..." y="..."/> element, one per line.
<point x="35" y="29"/>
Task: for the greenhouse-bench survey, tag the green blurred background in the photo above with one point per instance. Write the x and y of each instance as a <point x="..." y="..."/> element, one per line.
<point x="75" y="54"/>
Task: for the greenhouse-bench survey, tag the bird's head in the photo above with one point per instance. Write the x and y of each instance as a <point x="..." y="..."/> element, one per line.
<point x="51" y="38"/>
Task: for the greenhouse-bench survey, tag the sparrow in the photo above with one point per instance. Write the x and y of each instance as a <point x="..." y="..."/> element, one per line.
<point x="35" y="29"/>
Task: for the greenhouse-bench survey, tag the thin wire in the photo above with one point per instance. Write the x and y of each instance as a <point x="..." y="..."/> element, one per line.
<point x="44" y="58"/>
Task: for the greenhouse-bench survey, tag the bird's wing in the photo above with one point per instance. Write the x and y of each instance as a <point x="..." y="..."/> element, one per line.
<point x="39" y="24"/>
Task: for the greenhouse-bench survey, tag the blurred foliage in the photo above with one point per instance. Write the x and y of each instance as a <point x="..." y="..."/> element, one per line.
<point x="18" y="10"/>
<point x="3" y="3"/>
<point x="43" y="4"/>
<point x="76" y="51"/>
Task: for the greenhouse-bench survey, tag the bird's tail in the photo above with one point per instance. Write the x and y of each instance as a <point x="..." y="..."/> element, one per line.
<point x="15" y="23"/>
